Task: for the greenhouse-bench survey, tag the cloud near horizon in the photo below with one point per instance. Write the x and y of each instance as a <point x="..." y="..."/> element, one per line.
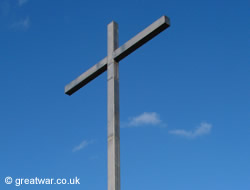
<point x="145" y="119"/>
<point x="82" y="145"/>
<point x="203" y="129"/>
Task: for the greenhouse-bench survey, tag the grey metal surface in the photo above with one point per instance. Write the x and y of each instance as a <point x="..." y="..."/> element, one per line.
<point x="111" y="64"/>
<point x="141" y="38"/>
<point x="86" y="77"/>
<point x="120" y="53"/>
<point x="113" y="111"/>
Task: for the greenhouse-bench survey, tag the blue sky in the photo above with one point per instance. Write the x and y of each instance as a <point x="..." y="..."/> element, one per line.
<point x="184" y="96"/>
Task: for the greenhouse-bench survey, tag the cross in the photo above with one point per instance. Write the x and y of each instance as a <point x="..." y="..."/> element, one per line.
<point x="111" y="63"/>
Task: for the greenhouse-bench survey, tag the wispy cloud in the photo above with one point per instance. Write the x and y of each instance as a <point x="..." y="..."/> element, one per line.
<point x="24" y="23"/>
<point x="145" y="119"/>
<point x="82" y="145"/>
<point x="22" y="2"/>
<point x="203" y="129"/>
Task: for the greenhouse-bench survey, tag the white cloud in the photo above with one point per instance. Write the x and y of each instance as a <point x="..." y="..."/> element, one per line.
<point x="146" y="118"/>
<point x="22" y="2"/>
<point x="82" y="145"/>
<point x="203" y="129"/>
<point x="24" y="23"/>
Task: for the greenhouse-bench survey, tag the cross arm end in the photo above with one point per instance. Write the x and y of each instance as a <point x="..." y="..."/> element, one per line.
<point x="141" y="38"/>
<point x="86" y="77"/>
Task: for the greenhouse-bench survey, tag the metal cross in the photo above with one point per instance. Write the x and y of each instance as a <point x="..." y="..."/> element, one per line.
<point x="111" y="63"/>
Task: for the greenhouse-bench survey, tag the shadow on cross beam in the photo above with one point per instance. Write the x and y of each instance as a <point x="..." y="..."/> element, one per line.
<point x="130" y="46"/>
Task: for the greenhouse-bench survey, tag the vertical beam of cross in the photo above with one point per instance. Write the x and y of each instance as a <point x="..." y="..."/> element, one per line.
<point x="113" y="111"/>
<point x="111" y="64"/>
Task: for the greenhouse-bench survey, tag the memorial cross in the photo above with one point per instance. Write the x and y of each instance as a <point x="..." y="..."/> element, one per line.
<point x="111" y="63"/>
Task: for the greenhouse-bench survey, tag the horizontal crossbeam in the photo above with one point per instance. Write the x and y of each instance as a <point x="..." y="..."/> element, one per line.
<point x="141" y="38"/>
<point x="86" y="77"/>
<point x="120" y="53"/>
